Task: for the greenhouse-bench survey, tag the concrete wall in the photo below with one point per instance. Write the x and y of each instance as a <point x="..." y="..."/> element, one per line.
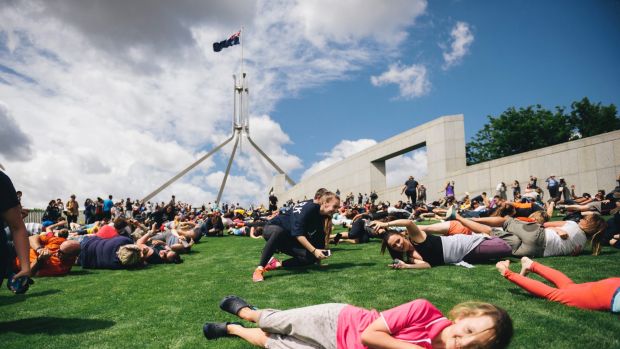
<point x="590" y="163"/>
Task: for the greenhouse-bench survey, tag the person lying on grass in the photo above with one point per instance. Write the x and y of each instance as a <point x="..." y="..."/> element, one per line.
<point x="599" y="295"/>
<point x="418" y="250"/>
<point x="561" y="238"/>
<point x="417" y="324"/>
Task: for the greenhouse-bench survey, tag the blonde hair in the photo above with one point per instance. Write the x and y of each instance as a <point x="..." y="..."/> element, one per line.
<point x="540" y="217"/>
<point x="129" y="255"/>
<point x="327" y="197"/>
<point x="502" y="323"/>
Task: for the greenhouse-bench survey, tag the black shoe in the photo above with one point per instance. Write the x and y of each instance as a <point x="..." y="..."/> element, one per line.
<point x="233" y="304"/>
<point x="337" y="238"/>
<point x="215" y="330"/>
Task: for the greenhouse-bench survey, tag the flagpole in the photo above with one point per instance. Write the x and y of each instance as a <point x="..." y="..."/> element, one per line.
<point x="242" y="39"/>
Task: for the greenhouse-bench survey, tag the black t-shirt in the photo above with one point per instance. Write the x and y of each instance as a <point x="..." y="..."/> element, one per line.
<point x="411" y="184"/>
<point x="8" y="197"/>
<point x="304" y="219"/>
<point x="273" y="200"/>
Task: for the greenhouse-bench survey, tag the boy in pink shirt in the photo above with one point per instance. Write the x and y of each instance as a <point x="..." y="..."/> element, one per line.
<point x="417" y="324"/>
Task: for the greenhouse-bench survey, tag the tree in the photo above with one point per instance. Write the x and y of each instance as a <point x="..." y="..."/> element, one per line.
<point x="516" y="131"/>
<point x="592" y="119"/>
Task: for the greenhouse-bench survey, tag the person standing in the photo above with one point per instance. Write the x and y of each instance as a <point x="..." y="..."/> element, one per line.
<point x="552" y="186"/>
<point x="11" y="216"/>
<point x="107" y="208"/>
<point x="73" y="210"/>
<point x="273" y="202"/>
<point x="516" y="190"/>
<point x="410" y="189"/>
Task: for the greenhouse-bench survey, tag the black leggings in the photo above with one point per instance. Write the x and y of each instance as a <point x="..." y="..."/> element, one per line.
<point x="280" y="240"/>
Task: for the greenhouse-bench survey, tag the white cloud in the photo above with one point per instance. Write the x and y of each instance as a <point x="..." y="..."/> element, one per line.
<point x="341" y="151"/>
<point x="117" y="97"/>
<point x="462" y="39"/>
<point x="399" y="168"/>
<point x="412" y="80"/>
<point x="14" y="143"/>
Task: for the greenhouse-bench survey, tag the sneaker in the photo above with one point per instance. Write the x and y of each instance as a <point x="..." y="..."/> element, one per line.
<point x="258" y="275"/>
<point x="337" y="238"/>
<point x="273" y="264"/>
<point x="451" y="213"/>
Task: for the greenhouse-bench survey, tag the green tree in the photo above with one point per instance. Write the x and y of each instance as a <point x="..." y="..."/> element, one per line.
<point x="516" y="131"/>
<point x="590" y="119"/>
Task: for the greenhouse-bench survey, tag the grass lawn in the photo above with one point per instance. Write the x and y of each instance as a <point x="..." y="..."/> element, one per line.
<point x="165" y="306"/>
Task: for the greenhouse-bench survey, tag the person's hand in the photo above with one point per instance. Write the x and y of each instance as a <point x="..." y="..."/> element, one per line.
<point x="398" y="264"/>
<point x="376" y="225"/>
<point x="562" y="233"/>
<point x="319" y="254"/>
<point x="44" y="254"/>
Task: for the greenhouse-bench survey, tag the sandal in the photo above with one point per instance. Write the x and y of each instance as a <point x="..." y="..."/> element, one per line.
<point x="215" y="330"/>
<point x="233" y="304"/>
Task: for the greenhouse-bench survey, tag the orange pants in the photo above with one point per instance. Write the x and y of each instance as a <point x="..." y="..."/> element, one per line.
<point x="590" y="295"/>
<point x="457" y="228"/>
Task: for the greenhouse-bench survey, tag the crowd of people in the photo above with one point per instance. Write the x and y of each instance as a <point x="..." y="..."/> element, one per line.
<point x="468" y="230"/>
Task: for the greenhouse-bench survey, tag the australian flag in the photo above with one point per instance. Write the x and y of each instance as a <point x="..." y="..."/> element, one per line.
<point x="232" y="40"/>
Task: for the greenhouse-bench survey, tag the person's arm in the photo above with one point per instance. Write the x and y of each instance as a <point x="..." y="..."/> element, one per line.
<point x="553" y="224"/>
<point x="145" y="238"/>
<point x="402" y="191"/>
<point x="13" y="218"/>
<point x="377" y="336"/>
<point x="417" y="264"/>
<point x="308" y="246"/>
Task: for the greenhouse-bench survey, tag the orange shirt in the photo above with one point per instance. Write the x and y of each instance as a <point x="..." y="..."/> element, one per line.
<point x="53" y="266"/>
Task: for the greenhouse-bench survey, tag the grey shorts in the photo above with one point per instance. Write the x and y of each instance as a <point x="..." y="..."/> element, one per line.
<point x="301" y="328"/>
<point x="525" y="239"/>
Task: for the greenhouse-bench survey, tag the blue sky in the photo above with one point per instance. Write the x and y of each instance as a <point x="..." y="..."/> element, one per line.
<point x="103" y="97"/>
<point x="524" y="53"/>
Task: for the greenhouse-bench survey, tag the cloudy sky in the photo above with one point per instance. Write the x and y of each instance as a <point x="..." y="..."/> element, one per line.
<point x="114" y="97"/>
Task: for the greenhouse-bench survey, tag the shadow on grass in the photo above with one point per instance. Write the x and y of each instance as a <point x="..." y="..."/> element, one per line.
<point x="81" y="272"/>
<point x="16" y="298"/>
<point x="54" y="325"/>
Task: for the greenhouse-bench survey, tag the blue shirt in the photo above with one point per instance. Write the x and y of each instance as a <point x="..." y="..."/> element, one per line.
<point x="107" y="205"/>
<point x="303" y="219"/>
<point x="98" y="253"/>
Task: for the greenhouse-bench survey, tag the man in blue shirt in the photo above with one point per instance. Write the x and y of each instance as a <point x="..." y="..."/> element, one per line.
<point x="107" y="208"/>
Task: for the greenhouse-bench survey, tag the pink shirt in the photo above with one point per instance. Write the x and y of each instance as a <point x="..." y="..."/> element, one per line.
<point x="416" y="322"/>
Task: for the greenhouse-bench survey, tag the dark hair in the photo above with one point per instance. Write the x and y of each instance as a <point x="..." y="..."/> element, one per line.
<point x="393" y="253"/>
<point x="120" y="223"/>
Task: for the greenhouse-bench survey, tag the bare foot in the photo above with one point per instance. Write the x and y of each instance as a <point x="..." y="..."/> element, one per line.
<point x="502" y="266"/>
<point x="526" y="264"/>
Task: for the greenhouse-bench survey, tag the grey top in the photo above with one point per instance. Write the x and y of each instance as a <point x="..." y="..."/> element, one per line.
<point x="456" y="247"/>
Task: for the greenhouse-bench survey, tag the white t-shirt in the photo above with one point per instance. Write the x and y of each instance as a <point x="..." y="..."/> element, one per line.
<point x="555" y="246"/>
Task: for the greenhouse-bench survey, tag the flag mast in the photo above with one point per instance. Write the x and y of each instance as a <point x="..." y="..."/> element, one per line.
<point x="240" y="123"/>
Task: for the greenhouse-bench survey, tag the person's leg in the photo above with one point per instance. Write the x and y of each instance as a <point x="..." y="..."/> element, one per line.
<point x="475" y="226"/>
<point x="315" y="325"/>
<point x="301" y="257"/>
<point x="490" y="221"/>
<point x="489" y="249"/>
<point x="534" y="287"/>
<point x="556" y="277"/>
<point x="254" y="336"/>
<point x="276" y="237"/>
<point x="441" y="228"/>
<point x="531" y="235"/>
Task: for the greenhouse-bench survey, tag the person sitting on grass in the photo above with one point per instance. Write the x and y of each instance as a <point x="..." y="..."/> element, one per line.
<point x="598" y="295"/>
<point x="417" y="324"/>
<point x="419" y="250"/>
<point x="561" y="238"/>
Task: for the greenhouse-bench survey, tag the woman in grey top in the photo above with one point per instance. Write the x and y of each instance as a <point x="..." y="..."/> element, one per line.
<point x="423" y="250"/>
